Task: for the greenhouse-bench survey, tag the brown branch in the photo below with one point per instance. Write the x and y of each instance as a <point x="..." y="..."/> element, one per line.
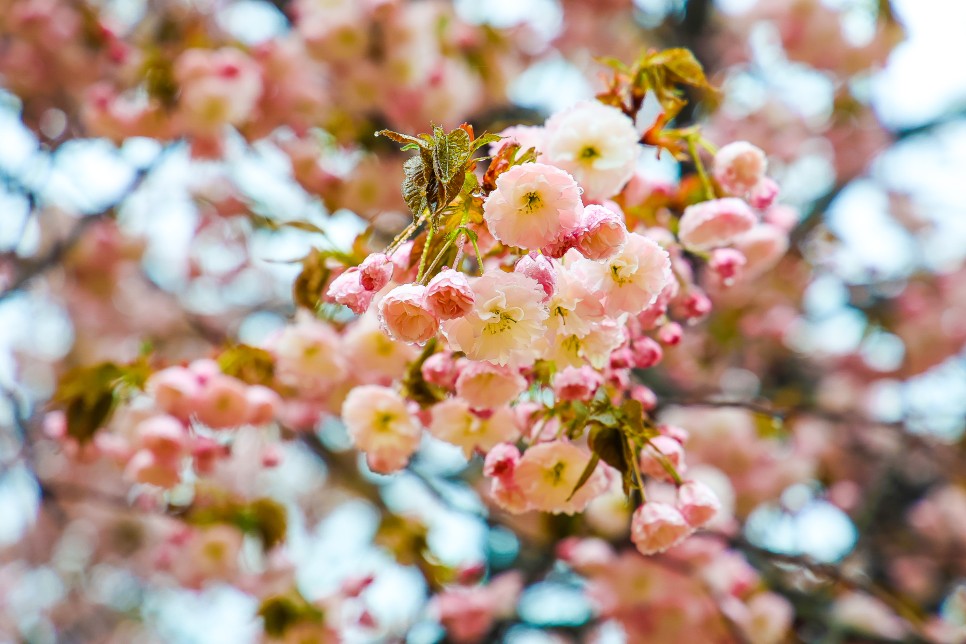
<point x="909" y="612"/>
<point x="33" y="269"/>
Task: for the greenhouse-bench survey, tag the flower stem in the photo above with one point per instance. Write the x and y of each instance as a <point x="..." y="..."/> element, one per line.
<point x="699" y="165"/>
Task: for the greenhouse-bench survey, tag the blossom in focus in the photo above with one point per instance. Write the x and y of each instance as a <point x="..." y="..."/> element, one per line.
<point x="534" y="204"/>
<point x="697" y="503"/>
<point x="602" y="233"/>
<point x="448" y="295"/>
<point x="630" y="280"/>
<point x="405" y="316"/>
<point x="505" y="325"/>
<point x="596" y="143"/>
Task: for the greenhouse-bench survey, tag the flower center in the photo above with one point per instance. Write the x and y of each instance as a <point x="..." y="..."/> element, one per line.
<point x="555" y="473"/>
<point x="504" y="321"/>
<point x="531" y="201"/>
<point x="383" y="420"/>
<point x="589" y="153"/>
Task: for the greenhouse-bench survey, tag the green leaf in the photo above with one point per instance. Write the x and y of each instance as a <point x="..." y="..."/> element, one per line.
<point x="278" y="615"/>
<point x="401" y="138"/>
<point x="306" y="226"/>
<point x="415" y="187"/>
<point x="485" y="139"/>
<point x="588" y="471"/>
<point x="89" y="395"/>
<point x="606" y="442"/>
<point x="415" y="387"/>
<point x="682" y="66"/>
<point x="450" y="153"/>
<point x="270" y="521"/>
<point x="311" y="280"/>
<point x="249" y="364"/>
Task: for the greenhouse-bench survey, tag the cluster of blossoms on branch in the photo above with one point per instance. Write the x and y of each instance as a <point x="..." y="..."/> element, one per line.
<point x="509" y="319"/>
<point x="554" y="311"/>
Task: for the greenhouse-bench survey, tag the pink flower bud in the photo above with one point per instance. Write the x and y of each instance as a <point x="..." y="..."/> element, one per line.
<point x="645" y="396"/>
<point x="714" y="223"/>
<point x="694" y="305"/>
<point x="601" y="234"/>
<point x="206" y="453"/>
<point x="655" y="527"/>
<point x="670" y="334"/>
<point x="559" y="247"/>
<point x="621" y="358"/>
<point x="679" y="434"/>
<point x="271" y="456"/>
<point x="375" y="272"/>
<point x="539" y="268"/>
<point x="347" y="289"/>
<point x="726" y="263"/>
<point x="764" y="193"/>
<point x="404" y="315"/>
<point x="646" y="352"/>
<point x="577" y="383"/>
<point x="441" y="369"/>
<point x="739" y="166"/>
<point x="164" y="436"/>
<point x="145" y="467"/>
<point x="401" y="260"/>
<point x="698" y="503"/>
<point x="263" y="405"/>
<point x="660" y="451"/>
<point x="501" y="461"/>
<point x="175" y="390"/>
<point x="449" y="295"/>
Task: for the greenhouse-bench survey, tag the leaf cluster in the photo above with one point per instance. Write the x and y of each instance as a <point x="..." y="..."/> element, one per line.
<point x="435" y="176"/>
<point x="264" y="517"/>
<point x="281" y="612"/>
<point x="89" y="395"/>
<point x="615" y="435"/>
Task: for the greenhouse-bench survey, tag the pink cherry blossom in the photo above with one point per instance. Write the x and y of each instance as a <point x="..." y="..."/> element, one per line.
<point x="656" y="526"/>
<point x="602" y="233"/>
<point x="630" y="280"/>
<point x="448" y="295"/>
<point x="347" y="289"/>
<point x="486" y="386"/>
<point x="575" y="383"/>
<point x="548" y="473"/>
<point x="539" y="268"/>
<point x="714" y="223"/>
<point x="533" y="205"/>
<point x="379" y="423"/>
<point x="660" y="453"/>
<point x="505" y="325"/>
<point x="454" y="422"/>
<point x="405" y="315"/>
<point x="594" y="142"/>
<point x="739" y="166"/>
<point x="697" y="502"/>
<point x="375" y="272"/>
